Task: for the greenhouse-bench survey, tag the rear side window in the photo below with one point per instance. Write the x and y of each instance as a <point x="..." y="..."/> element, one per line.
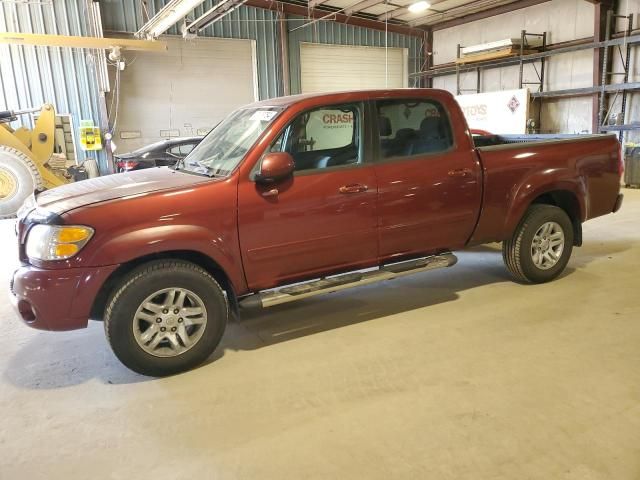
<point x="185" y="148"/>
<point x="413" y="127"/>
<point x="324" y="137"/>
<point x="182" y="150"/>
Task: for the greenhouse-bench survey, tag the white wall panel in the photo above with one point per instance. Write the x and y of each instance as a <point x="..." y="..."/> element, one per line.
<point x="563" y="20"/>
<point x="191" y="87"/>
<point x="326" y="68"/>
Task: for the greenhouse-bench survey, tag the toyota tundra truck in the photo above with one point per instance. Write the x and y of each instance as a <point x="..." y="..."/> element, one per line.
<point x="294" y="197"/>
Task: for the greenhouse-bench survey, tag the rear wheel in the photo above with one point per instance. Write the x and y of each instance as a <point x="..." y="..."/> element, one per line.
<point x="165" y="317"/>
<point x="19" y="177"/>
<point x="541" y="246"/>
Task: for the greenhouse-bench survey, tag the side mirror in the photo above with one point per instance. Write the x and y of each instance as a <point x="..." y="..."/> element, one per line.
<point x="275" y="166"/>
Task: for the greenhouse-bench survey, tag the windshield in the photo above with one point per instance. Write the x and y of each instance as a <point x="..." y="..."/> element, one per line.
<point x="227" y="144"/>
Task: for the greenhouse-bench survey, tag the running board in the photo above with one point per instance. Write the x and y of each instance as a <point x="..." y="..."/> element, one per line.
<point x="347" y="280"/>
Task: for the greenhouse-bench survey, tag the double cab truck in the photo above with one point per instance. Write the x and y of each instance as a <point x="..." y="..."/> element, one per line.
<point x="299" y="196"/>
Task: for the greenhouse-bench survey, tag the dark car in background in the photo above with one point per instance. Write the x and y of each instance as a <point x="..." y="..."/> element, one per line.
<point x="159" y="154"/>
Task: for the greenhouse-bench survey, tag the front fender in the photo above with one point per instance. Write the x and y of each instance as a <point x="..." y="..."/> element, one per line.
<point x="127" y="246"/>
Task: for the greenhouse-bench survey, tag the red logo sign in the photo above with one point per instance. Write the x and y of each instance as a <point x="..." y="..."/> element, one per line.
<point x="513" y="104"/>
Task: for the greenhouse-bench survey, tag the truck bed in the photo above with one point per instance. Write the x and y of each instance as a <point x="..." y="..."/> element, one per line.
<point x="517" y="169"/>
<point x="483" y="141"/>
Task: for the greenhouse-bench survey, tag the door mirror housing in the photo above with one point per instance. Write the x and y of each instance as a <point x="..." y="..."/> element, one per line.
<point x="275" y="166"/>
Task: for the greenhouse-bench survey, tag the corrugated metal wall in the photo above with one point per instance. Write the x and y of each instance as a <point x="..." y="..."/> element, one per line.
<point x="68" y="78"/>
<point x="261" y="26"/>
<point x="341" y="34"/>
<point x="245" y="22"/>
<point x="31" y="76"/>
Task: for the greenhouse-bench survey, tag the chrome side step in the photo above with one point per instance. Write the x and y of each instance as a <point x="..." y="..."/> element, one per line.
<point x="347" y="280"/>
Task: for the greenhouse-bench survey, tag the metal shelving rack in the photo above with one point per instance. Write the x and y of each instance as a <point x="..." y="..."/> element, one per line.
<point x="458" y="69"/>
<point x="524" y="41"/>
<point x="524" y="46"/>
<point x="622" y="40"/>
<point x="603" y="114"/>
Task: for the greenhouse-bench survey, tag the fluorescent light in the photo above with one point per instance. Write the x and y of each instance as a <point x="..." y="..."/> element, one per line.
<point x="167" y="16"/>
<point x="418" y="7"/>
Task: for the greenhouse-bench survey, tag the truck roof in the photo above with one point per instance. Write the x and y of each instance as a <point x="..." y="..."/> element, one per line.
<point x="349" y="95"/>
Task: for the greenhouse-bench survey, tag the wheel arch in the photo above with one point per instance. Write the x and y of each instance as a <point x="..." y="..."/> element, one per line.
<point x="567" y="201"/>
<point x="195" y="257"/>
<point x="564" y="195"/>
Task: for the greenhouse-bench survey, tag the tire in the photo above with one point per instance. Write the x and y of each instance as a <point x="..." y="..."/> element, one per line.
<point x="527" y="261"/>
<point x="91" y="167"/>
<point x="126" y="320"/>
<point x="19" y="177"/>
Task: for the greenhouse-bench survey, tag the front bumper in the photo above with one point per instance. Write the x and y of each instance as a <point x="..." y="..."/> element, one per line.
<point x="57" y="299"/>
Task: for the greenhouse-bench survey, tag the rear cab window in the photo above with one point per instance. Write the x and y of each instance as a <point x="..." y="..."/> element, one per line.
<point x="409" y="127"/>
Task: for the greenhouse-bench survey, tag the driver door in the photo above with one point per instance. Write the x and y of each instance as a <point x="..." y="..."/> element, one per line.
<point x="322" y="219"/>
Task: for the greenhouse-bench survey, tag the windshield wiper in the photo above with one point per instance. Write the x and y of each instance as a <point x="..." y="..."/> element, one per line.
<point x="210" y="171"/>
<point x="177" y="165"/>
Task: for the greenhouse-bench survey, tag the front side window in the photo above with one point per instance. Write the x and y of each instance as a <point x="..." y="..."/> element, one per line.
<point x="324" y="137"/>
<point x="413" y="127"/>
<point x="220" y="152"/>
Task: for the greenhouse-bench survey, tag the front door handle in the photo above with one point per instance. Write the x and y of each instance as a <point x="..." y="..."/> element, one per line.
<point x="353" y="188"/>
<point x="460" y="172"/>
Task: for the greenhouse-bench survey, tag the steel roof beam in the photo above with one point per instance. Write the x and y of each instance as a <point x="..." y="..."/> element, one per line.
<point x="315" y="3"/>
<point x="74" y="41"/>
<point x="363" y="5"/>
<point x="480" y="15"/>
<point x="338" y="17"/>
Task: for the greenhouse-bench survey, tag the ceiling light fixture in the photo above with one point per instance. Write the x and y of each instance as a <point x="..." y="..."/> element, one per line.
<point x="173" y="12"/>
<point x="418" y="7"/>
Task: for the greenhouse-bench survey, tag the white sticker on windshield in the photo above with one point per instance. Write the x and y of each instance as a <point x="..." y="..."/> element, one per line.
<point x="263" y="115"/>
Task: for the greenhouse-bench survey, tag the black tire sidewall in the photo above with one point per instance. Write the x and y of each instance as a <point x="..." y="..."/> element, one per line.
<point x="120" y="319"/>
<point x="532" y="223"/>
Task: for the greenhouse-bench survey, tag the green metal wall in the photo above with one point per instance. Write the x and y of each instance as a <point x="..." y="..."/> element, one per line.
<point x="245" y="22"/>
<point x="64" y="77"/>
<point x="262" y="26"/>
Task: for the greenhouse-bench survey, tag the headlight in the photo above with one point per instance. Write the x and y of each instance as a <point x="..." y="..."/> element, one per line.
<point x="52" y="242"/>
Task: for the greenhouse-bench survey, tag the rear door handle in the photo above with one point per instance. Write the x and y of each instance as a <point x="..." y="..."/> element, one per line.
<point x="460" y="172"/>
<point x="353" y="188"/>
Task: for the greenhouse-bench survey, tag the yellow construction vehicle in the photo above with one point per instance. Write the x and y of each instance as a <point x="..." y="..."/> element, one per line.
<point x="26" y="162"/>
<point x="25" y="157"/>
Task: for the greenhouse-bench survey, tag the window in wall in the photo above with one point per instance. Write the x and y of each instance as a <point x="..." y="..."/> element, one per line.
<point x="413" y="127"/>
<point x="323" y="137"/>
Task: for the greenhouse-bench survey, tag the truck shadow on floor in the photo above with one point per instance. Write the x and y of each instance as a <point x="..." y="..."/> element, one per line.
<point x="258" y="328"/>
<point x="50" y="361"/>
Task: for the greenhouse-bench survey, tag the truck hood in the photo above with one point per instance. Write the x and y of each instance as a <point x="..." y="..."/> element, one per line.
<point x="86" y="192"/>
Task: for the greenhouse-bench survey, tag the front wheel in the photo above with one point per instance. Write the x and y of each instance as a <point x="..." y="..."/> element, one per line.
<point x="165" y="317"/>
<point x="541" y="246"/>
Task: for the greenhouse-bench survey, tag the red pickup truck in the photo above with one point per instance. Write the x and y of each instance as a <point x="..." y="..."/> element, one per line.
<point x="294" y="197"/>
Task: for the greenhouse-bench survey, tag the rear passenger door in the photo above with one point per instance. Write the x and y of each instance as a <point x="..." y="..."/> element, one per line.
<point x="429" y="190"/>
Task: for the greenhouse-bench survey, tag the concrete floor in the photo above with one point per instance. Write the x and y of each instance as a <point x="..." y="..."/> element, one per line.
<point x="452" y="374"/>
